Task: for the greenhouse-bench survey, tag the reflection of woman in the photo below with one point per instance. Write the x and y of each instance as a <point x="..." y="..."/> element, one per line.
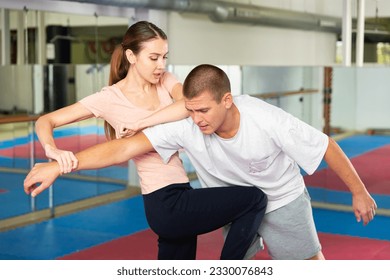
<point x="138" y="87"/>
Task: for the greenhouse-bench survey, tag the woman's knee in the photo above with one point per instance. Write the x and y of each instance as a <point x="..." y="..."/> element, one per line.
<point x="261" y="198"/>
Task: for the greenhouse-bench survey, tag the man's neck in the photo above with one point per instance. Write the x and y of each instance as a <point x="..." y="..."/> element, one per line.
<point x="231" y="124"/>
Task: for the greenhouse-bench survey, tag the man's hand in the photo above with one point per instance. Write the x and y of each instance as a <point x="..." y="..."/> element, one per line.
<point x="364" y="207"/>
<point x="44" y="173"/>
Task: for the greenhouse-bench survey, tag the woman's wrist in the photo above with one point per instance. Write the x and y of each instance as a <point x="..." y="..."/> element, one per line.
<point x="141" y="124"/>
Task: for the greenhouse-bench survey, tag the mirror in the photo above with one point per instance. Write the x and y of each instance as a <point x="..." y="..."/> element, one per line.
<point x="78" y="51"/>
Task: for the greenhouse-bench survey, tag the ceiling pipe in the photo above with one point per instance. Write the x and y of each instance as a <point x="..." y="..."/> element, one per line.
<point x="255" y="15"/>
<point x="222" y="11"/>
<point x="229" y="12"/>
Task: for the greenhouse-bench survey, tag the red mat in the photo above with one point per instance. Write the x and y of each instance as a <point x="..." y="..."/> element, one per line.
<point x="373" y="168"/>
<point x="72" y="143"/>
<point x="143" y="246"/>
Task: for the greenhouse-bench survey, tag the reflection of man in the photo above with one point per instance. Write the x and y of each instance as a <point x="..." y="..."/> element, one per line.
<point x="239" y="141"/>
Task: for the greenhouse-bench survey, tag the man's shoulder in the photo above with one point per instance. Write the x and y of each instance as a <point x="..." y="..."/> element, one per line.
<point x="247" y="100"/>
<point x="179" y="132"/>
<point x="179" y="125"/>
<point x="251" y="104"/>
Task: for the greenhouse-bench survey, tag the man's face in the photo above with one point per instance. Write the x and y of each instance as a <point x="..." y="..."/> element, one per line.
<point x="206" y="112"/>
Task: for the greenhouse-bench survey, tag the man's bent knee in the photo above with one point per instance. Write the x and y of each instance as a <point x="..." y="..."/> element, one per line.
<point x="318" y="256"/>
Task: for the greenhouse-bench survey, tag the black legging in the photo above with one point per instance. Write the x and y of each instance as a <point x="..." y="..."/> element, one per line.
<point x="178" y="213"/>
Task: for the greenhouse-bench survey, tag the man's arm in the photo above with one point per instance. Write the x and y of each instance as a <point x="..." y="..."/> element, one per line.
<point x="363" y="204"/>
<point x="95" y="157"/>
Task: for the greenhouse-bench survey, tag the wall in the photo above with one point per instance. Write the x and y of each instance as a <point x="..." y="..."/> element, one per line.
<point x="343" y="110"/>
<point x="360" y="98"/>
<point x="195" y="39"/>
<point x="16" y="88"/>
<point x="372" y="98"/>
<point x="307" y="107"/>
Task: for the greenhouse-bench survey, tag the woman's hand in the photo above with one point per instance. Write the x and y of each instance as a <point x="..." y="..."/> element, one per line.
<point x="66" y="160"/>
<point x="127" y="129"/>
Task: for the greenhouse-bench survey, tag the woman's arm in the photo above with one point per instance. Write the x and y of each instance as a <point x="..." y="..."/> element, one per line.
<point x="95" y="157"/>
<point x="363" y="204"/>
<point x="44" y="129"/>
<point x="174" y="112"/>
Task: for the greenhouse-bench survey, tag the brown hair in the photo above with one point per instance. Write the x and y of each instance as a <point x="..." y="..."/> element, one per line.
<point x="137" y="34"/>
<point x="206" y="77"/>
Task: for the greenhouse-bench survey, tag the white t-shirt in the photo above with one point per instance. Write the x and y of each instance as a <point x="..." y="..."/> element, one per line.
<point x="266" y="152"/>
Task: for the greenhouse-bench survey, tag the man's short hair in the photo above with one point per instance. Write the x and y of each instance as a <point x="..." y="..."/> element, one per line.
<point x="206" y="78"/>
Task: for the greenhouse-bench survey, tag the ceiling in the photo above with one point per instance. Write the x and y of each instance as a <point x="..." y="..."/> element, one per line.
<point x="376" y="29"/>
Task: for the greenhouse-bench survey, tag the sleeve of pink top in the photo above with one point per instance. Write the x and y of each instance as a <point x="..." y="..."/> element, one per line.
<point x="168" y="81"/>
<point x="97" y="102"/>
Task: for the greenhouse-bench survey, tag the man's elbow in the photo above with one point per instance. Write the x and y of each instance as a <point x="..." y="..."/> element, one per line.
<point x="136" y="145"/>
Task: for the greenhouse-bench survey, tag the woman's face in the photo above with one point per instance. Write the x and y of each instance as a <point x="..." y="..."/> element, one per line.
<point x="151" y="60"/>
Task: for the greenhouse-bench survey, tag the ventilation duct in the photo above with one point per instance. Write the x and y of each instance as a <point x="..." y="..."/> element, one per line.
<point x="229" y="12"/>
<point x="222" y="11"/>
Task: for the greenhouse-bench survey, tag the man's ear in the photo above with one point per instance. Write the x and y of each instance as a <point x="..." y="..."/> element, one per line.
<point x="130" y="56"/>
<point x="227" y="99"/>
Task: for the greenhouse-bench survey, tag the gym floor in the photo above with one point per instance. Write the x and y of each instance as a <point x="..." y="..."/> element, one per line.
<point x="119" y="231"/>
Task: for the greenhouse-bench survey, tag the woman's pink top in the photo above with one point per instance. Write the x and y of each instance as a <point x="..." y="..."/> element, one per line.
<point x="111" y="105"/>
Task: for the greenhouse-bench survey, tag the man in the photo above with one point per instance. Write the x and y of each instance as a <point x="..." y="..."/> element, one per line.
<point x="239" y="141"/>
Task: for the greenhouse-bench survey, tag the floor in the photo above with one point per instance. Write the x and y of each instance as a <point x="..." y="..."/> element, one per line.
<point x="119" y="230"/>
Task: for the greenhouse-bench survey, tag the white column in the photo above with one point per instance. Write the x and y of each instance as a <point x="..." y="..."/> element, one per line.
<point x="5" y="37"/>
<point x="347" y="32"/>
<point x="360" y="34"/>
<point x="20" y="47"/>
<point x="41" y="38"/>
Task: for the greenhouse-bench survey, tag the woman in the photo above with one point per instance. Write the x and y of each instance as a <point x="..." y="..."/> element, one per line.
<point x="140" y="86"/>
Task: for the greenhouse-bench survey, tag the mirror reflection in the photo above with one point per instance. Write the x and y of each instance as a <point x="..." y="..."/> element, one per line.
<point x="75" y="64"/>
